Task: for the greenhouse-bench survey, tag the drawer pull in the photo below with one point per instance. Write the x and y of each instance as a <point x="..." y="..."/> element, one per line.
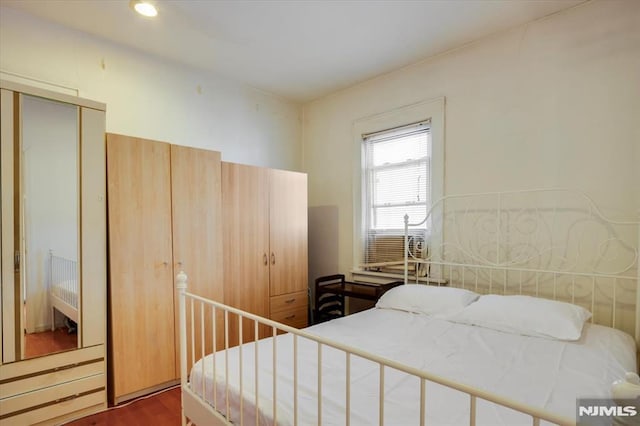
<point x="65" y="367"/>
<point x="290" y="317"/>
<point x="68" y="398"/>
<point x="290" y="300"/>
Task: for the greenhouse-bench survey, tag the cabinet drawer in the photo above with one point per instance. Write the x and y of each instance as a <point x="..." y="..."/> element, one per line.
<point x="72" y="367"/>
<point x="34" y="366"/>
<point x="55" y="401"/>
<point x="288" y="302"/>
<point x="293" y="317"/>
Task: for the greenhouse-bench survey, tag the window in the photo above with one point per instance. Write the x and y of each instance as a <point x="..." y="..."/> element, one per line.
<point x="396" y="181"/>
<point x="378" y="212"/>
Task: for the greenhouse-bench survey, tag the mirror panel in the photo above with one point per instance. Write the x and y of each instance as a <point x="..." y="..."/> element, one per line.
<point x="50" y="229"/>
<point x="46" y="203"/>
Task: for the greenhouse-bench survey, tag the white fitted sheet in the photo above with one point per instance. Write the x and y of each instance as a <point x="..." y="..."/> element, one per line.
<point x="545" y="373"/>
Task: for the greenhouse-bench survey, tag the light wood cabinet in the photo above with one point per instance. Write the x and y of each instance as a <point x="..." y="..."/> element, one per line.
<point x="245" y="207"/>
<point x="265" y="244"/>
<point x="49" y="129"/>
<point x="197" y="233"/>
<point x="287" y="232"/>
<point x="140" y="258"/>
<point x="164" y="215"/>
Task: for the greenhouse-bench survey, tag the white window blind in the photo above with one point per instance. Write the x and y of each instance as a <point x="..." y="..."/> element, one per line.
<point x="396" y="182"/>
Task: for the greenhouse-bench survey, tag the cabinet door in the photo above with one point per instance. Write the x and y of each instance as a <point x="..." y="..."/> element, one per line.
<point x="10" y="311"/>
<point x="94" y="232"/>
<point x="197" y="234"/>
<point x="141" y="273"/>
<point x="245" y="211"/>
<point x="288" y="232"/>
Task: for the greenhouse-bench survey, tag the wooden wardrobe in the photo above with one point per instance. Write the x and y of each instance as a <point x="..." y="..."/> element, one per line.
<point x="164" y="216"/>
<point x="55" y="385"/>
<point x="264" y="212"/>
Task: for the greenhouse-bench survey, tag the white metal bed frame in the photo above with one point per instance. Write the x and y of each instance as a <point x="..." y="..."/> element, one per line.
<point x="63" y="287"/>
<point x="456" y="260"/>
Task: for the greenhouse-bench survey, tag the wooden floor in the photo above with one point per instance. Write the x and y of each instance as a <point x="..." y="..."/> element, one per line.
<point x="48" y="342"/>
<point x="159" y="410"/>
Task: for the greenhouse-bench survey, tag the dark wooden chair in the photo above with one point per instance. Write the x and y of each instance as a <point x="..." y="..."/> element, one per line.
<point x="328" y="305"/>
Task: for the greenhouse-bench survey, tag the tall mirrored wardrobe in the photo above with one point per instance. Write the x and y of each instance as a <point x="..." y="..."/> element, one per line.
<point x="53" y="255"/>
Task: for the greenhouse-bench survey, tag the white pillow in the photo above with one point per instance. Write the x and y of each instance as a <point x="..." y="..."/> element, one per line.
<point x="426" y="299"/>
<point x="526" y="315"/>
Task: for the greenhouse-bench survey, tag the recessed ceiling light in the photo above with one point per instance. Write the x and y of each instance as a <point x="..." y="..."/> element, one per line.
<point x="144" y="8"/>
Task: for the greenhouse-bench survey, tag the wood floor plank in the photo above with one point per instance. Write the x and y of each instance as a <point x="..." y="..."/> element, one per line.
<point x="48" y="342"/>
<point x="162" y="409"/>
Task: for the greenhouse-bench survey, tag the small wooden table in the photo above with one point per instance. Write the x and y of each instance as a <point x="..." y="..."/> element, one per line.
<point x="368" y="291"/>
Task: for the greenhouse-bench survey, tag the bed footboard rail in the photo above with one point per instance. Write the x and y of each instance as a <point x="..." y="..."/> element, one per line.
<point x="64" y="279"/>
<point x="63" y="287"/>
<point x="219" y="409"/>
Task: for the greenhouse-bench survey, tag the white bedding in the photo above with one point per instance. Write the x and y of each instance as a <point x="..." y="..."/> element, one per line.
<point x="546" y="373"/>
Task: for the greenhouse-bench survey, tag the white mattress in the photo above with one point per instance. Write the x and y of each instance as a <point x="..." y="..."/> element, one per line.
<point x="545" y="373"/>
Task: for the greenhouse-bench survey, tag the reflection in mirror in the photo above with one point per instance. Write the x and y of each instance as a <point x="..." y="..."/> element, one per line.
<point x="49" y="227"/>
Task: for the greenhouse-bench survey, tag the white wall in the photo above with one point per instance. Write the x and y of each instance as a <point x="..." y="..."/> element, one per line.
<point x="153" y="98"/>
<point x="554" y="103"/>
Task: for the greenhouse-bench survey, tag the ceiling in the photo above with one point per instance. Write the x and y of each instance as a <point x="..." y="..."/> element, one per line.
<point x="300" y="50"/>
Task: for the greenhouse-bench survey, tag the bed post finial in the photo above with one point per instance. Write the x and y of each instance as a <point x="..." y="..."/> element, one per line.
<point x="181" y="281"/>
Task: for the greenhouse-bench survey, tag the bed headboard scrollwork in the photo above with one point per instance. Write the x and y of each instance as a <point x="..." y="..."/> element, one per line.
<point x="552" y="243"/>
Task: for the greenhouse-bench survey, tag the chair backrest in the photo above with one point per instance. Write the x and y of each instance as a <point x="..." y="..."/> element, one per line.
<point x="328" y="305"/>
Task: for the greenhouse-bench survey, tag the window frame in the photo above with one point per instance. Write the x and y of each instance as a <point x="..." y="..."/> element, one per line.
<point x="369" y="172"/>
<point x="432" y="110"/>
